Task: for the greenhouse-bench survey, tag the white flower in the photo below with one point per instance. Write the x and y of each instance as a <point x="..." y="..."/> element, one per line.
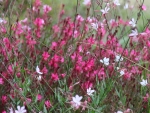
<point x="132" y="22"/>
<point x="105" y="61"/>
<point x="39" y="78"/>
<point x="89" y="92"/>
<point x="94" y="26"/>
<point x="20" y="109"/>
<point x="11" y="110"/>
<point x="104" y="11"/>
<point x="1" y="20"/>
<point x="77" y="100"/>
<point x="118" y="58"/>
<point x="116" y="2"/>
<point x="134" y="33"/>
<point x="126" y="6"/>
<point x="144" y="82"/>
<point x="119" y="112"/>
<point x="86" y="2"/>
<point x="122" y="73"/>
<point x="38" y="70"/>
<point x="118" y="68"/>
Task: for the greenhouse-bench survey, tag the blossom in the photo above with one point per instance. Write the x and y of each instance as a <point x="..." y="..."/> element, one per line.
<point x="119" y="112"/>
<point x="144" y="82"/>
<point x="11" y="110"/>
<point x="48" y="104"/>
<point x="105" y="61"/>
<point x="134" y="33"/>
<point x="116" y="2"/>
<point x="46" y="8"/>
<point x="94" y="26"/>
<point x="144" y="7"/>
<point x="122" y="72"/>
<point x="89" y="91"/>
<point x="1" y="81"/>
<point x="87" y="2"/>
<point x="132" y="22"/>
<point x="126" y="6"/>
<point x="104" y="11"/>
<point x="38" y="70"/>
<point x="77" y="100"/>
<point x="20" y="109"/>
<point x="118" y="58"/>
<point x="45" y="55"/>
<point x="39" y="78"/>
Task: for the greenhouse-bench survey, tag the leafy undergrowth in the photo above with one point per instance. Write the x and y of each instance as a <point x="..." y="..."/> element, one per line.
<point x="93" y="64"/>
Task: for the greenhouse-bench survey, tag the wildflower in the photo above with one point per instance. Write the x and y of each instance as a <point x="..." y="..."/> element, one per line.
<point x="119" y="112"/>
<point x="45" y="55"/>
<point x="11" y="110"/>
<point x="1" y="81"/>
<point x="39" y="97"/>
<point x="116" y="2"/>
<point x="122" y="73"/>
<point x="87" y="2"/>
<point x="144" y="7"/>
<point x="144" y="82"/>
<point x="94" y="26"/>
<point x="48" y="104"/>
<point x="20" y="109"/>
<point x="104" y="11"/>
<point x="89" y="91"/>
<point x="46" y="8"/>
<point x="134" y="33"/>
<point x="132" y="22"/>
<point x="38" y="70"/>
<point x="126" y="6"/>
<point x="77" y="100"/>
<point x="105" y="61"/>
<point x="1" y="20"/>
<point x="118" y="58"/>
<point x="39" y="78"/>
<point x="54" y="77"/>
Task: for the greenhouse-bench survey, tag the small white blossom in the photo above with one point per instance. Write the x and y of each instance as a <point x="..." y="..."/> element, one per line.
<point x="118" y="58"/>
<point x="104" y="11"/>
<point x="39" y="78"/>
<point x="86" y="2"/>
<point x="105" y="61"/>
<point x="126" y="6"/>
<point x="116" y="2"/>
<point x="118" y="68"/>
<point x="122" y="72"/>
<point x="1" y="20"/>
<point x="20" y="109"/>
<point x="134" y="33"/>
<point x="77" y="100"/>
<point x="132" y="22"/>
<point x="119" y="112"/>
<point x="144" y="82"/>
<point x="89" y="92"/>
<point x="38" y="70"/>
<point x="11" y="110"/>
<point x="94" y="26"/>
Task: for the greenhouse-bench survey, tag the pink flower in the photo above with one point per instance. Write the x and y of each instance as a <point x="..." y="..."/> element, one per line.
<point x="48" y="104"/>
<point x="39" y="22"/>
<point x="39" y="97"/>
<point x="144" y="7"/>
<point x="4" y="99"/>
<point x="46" y="8"/>
<point x="54" y="77"/>
<point x="1" y="81"/>
<point x="45" y="55"/>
